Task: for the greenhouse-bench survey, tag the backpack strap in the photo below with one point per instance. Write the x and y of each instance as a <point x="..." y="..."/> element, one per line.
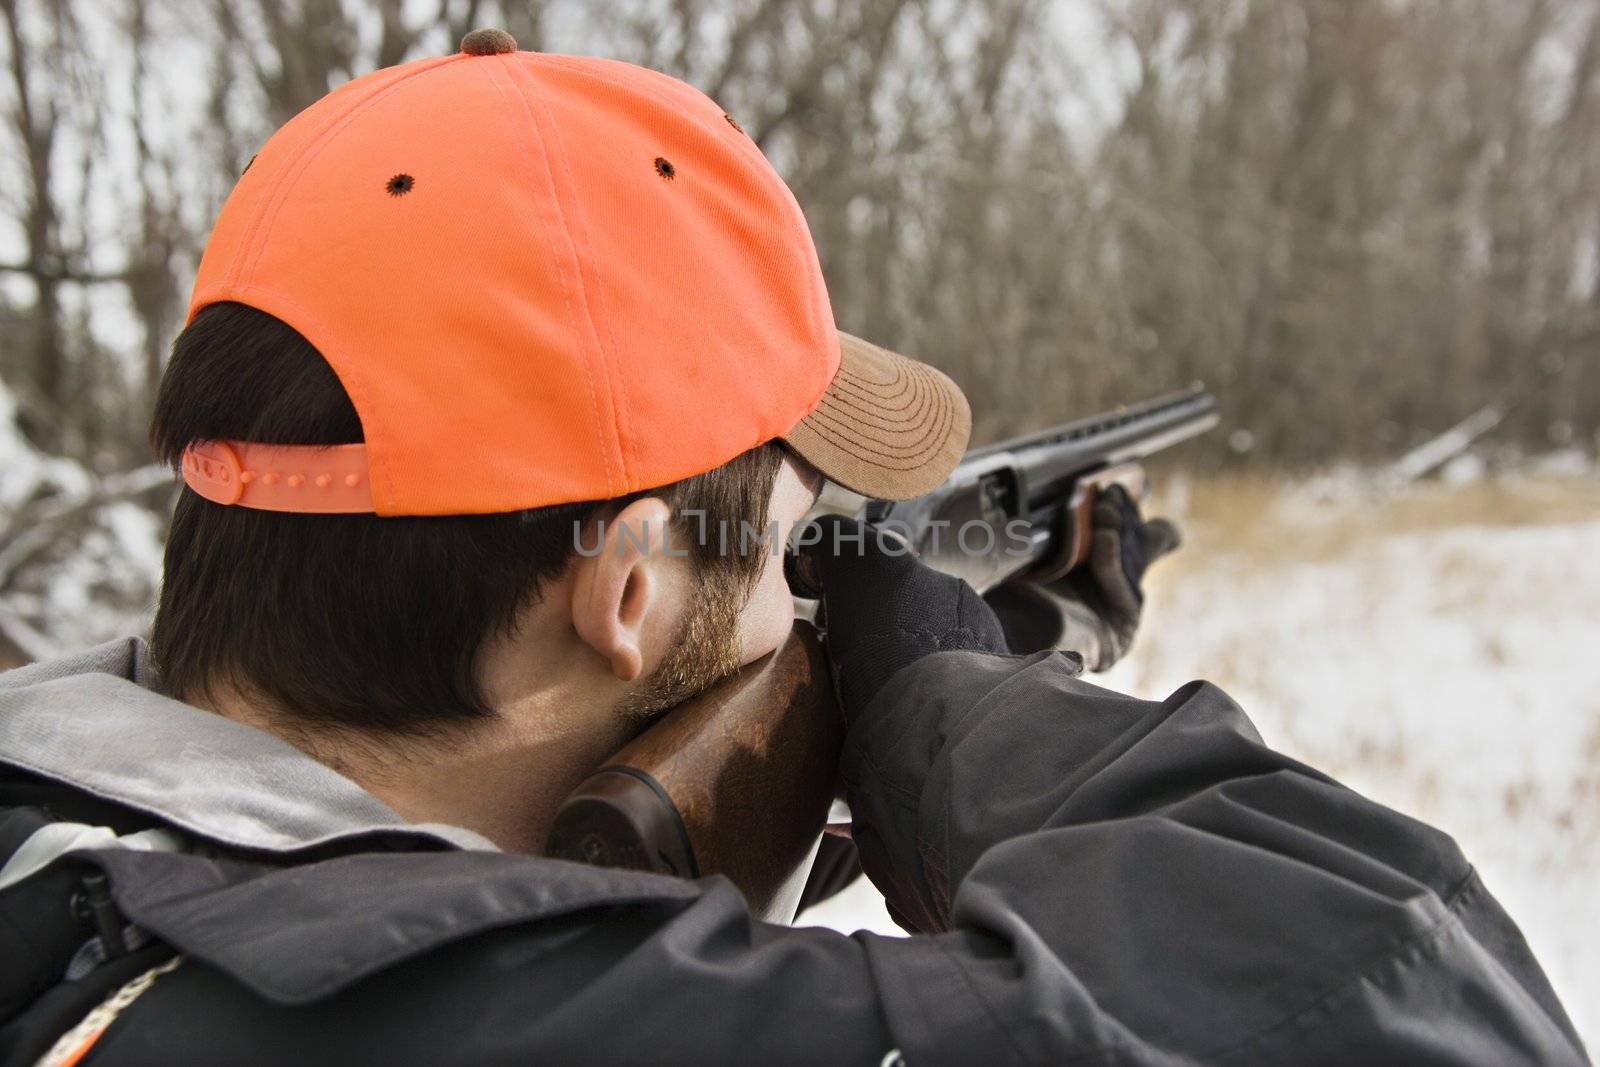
<point x="76" y="1043"/>
<point x="65" y="947"/>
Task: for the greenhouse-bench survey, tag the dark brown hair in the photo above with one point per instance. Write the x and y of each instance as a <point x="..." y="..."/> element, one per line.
<point x="357" y="621"/>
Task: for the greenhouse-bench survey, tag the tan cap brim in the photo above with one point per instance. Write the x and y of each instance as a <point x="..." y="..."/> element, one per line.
<point x="888" y="427"/>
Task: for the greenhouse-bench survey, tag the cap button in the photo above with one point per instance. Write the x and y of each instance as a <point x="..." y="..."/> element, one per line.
<point x="488" y="42"/>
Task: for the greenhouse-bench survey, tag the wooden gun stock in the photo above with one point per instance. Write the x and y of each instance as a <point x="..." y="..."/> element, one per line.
<point x="735" y="781"/>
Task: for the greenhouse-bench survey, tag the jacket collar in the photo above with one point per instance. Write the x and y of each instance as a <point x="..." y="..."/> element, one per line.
<point x="95" y="722"/>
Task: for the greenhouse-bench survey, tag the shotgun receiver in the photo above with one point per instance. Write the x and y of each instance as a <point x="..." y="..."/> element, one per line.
<point x="738" y="779"/>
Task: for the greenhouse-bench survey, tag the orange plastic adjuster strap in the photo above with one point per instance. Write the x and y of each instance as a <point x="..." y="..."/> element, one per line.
<point x="312" y="479"/>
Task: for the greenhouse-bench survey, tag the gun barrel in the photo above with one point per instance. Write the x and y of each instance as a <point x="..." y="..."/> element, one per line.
<point x="1119" y="436"/>
<point x="1019" y="489"/>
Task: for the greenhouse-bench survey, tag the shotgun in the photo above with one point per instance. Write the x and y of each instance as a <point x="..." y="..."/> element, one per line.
<point x="738" y="779"/>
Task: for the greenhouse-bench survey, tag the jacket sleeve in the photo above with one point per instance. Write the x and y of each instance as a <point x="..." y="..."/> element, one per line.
<point x="1137" y="880"/>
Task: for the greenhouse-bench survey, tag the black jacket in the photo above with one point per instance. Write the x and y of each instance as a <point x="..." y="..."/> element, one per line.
<point x="1098" y="879"/>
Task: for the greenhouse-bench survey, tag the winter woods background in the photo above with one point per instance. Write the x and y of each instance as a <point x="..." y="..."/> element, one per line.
<point x="1360" y="222"/>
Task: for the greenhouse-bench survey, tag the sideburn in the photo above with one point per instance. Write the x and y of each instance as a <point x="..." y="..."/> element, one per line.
<point x="705" y="651"/>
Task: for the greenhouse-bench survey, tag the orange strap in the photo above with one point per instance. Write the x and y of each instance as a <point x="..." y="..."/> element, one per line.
<point x="313" y="479"/>
<point x="75" y="1043"/>
<point x="73" y="1056"/>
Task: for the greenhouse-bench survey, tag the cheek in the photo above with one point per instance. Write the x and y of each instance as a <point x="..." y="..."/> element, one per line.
<point x="769" y="616"/>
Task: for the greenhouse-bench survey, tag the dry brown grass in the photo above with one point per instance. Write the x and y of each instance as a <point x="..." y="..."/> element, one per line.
<point x="1270" y="519"/>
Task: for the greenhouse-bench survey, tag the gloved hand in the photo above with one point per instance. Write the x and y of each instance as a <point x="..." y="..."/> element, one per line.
<point x="1095" y="609"/>
<point x="883" y="609"/>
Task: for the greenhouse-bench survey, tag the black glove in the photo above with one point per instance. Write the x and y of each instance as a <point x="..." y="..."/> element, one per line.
<point x="883" y="608"/>
<point x="1095" y="609"/>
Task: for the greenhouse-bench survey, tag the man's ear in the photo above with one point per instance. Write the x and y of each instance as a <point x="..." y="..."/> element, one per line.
<point x="616" y="587"/>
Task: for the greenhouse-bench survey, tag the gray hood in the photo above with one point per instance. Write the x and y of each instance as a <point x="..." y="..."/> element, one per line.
<point x="94" y="721"/>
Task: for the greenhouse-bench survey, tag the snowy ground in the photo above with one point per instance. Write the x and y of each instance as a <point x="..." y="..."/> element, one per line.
<point x="1437" y="649"/>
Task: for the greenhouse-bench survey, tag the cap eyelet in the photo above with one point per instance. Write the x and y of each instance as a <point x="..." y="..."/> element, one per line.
<point x="400" y="184"/>
<point x="665" y="168"/>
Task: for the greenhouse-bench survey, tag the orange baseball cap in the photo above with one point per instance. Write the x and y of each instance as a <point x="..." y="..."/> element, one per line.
<point x="544" y="279"/>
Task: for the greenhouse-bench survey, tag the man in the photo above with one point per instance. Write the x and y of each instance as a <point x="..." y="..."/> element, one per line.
<point x="457" y="309"/>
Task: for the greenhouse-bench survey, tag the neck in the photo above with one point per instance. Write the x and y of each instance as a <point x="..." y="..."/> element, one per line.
<point x="496" y="782"/>
<point x="556" y="720"/>
<point x="503" y="778"/>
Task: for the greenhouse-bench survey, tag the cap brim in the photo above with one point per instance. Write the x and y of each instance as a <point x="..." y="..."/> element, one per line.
<point x="888" y="427"/>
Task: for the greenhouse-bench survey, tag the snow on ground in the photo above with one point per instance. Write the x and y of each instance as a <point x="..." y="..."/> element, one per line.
<point x="1437" y="649"/>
